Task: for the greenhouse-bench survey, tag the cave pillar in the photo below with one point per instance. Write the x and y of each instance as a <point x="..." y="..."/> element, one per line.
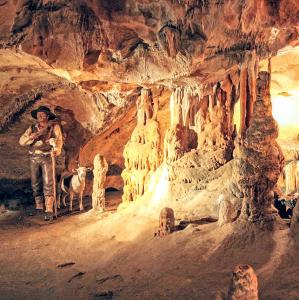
<point x="258" y="158"/>
<point x="100" y="168"/>
<point x="142" y="152"/>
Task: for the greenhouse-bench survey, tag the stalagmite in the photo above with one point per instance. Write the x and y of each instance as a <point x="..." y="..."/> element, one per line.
<point x="244" y="284"/>
<point x="166" y="222"/>
<point x="98" y="193"/>
<point x="258" y="158"/>
<point x="142" y="152"/>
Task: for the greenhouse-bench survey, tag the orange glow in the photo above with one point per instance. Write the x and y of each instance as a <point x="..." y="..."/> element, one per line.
<point x="285" y="109"/>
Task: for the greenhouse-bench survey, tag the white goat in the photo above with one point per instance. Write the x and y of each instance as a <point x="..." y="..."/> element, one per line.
<point x="76" y="186"/>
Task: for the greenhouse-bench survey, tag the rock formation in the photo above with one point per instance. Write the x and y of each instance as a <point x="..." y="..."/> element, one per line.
<point x="94" y="60"/>
<point x="258" y="158"/>
<point x="244" y="284"/>
<point x="291" y="175"/>
<point x="166" y="222"/>
<point x="142" y="152"/>
<point x="229" y="209"/>
<point x="180" y="138"/>
<point x="100" y="168"/>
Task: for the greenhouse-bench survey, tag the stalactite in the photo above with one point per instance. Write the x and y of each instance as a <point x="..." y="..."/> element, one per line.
<point x="179" y="137"/>
<point x="243" y="99"/>
<point x="214" y="123"/>
<point x="248" y="75"/>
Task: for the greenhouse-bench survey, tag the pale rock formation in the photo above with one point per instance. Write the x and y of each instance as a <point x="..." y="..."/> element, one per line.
<point x="291" y="175"/>
<point x="229" y="209"/>
<point x="100" y="168"/>
<point x="214" y="123"/>
<point x="144" y="107"/>
<point x="244" y="284"/>
<point x="180" y="137"/>
<point x="166" y="222"/>
<point x="258" y="158"/>
<point x="142" y="152"/>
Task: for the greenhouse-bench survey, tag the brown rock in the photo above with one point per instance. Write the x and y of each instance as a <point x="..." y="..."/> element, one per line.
<point x="166" y="222"/>
<point x="244" y="284"/>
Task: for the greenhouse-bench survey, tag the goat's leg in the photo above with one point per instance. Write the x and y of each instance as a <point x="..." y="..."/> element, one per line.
<point x="63" y="200"/>
<point x="81" y="201"/>
<point x="58" y="200"/>
<point x="71" y="200"/>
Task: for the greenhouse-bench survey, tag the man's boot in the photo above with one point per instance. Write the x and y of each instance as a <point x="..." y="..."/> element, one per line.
<point x="39" y="203"/>
<point x="39" y="206"/>
<point x="49" y="200"/>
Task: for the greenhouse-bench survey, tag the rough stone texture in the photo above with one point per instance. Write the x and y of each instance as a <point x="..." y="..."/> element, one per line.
<point x="100" y="168"/>
<point x="166" y="222"/>
<point x="142" y="152"/>
<point x="258" y="158"/>
<point x="170" y="39"/>
<point x="244" y="284"/>
<point x="229" y="209"/>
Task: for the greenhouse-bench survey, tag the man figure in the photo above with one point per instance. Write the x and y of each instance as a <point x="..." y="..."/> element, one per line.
<point x="43" y="138"/>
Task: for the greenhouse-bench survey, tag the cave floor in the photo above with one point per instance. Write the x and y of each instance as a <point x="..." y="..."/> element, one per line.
<point x="114" y="255"/>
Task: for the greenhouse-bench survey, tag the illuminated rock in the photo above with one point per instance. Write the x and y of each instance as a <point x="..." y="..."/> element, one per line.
<point x="244" y="284"/>
<point x="100" y="168"/>
<point x="142" y="152"/>
<point x="290" y="177"/>
<point x="180" y="137"/>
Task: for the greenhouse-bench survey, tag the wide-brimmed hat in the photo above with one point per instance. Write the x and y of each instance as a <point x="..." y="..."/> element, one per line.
<point x="44" y="109"/>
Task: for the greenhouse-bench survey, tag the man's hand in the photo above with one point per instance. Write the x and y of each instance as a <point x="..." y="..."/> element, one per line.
<point x="34" y="136"/>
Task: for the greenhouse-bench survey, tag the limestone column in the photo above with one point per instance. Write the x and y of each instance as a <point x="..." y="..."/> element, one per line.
<point x="258" y="159"/>
<point x="99" y="172"/>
